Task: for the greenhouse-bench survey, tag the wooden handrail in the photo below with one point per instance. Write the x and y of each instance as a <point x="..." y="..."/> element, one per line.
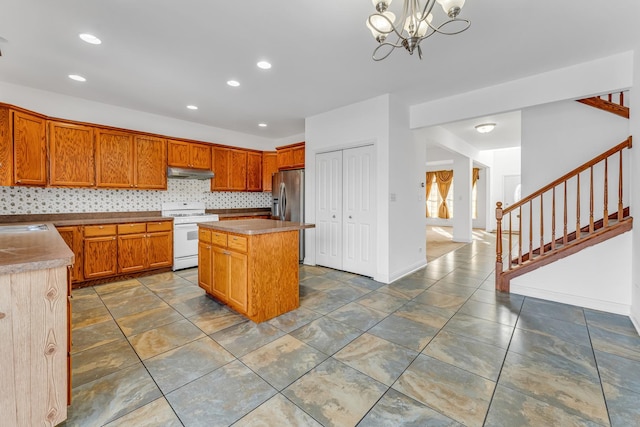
<point x="569" y="239"/>
<point x="624" y="144"/>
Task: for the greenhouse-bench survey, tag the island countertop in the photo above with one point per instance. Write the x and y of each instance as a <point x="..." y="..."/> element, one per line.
<point x="33" y="250"/>
<point x="255" y="226"/>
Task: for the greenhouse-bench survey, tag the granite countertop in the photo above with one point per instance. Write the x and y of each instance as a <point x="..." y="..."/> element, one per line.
<point x="89" y="218"/>
<point x="230" y="213"/>
<point x="33" y="250"/>
<point x="255" y="226"/>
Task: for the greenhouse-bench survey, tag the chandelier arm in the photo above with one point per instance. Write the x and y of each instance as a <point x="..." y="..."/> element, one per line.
<point x="393" y="48"/>
<point x="437" y="29"/>
<point x="428" y="7"/>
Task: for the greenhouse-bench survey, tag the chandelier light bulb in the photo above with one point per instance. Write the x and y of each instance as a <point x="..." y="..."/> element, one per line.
<point x="381" y="25"/>
<point x="451" y="7"/>
<point x="422" y="25"/>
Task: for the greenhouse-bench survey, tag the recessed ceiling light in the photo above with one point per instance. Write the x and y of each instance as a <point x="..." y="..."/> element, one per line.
<point x="192" y="107"/>
<point x="90" y="38"/>
<point x="264" y="65"/>
<point x="77" y="78"/>
<point x="262" y="125"/>
<point x="233" y="83"/>
<point x="485" y="127"/>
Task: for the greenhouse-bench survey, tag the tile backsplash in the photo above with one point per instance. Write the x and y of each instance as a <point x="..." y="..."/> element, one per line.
<point x="35" y="200"/>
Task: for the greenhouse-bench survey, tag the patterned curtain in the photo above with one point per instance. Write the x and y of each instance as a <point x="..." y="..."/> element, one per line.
<point x="430" y="178"/>
<point x="444" y="179"/>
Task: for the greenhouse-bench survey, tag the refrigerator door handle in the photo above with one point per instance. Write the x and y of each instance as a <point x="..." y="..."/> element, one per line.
<point x="283" y="201"/>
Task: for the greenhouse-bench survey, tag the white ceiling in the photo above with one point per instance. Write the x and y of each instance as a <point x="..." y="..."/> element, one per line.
<point x="506" y="134"/>
<point x="160" y="55"/>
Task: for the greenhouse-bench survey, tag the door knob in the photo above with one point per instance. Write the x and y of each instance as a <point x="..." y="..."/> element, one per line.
<point x="349" y="216"/>
<point x="333" y="216"/>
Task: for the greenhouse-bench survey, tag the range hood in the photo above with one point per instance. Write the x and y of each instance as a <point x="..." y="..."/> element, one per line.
<point x="185" y="173"/>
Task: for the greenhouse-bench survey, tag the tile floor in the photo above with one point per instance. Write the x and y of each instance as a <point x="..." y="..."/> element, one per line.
<point x="436" y="348"/>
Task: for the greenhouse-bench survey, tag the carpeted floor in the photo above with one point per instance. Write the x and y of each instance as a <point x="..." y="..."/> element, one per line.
<point x="439" y="241"/>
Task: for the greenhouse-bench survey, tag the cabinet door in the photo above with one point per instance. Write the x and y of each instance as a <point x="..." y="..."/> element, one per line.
<point x="115" y="156"/>
<point x="237" y="295"/>
<point x="205" y="266"/>
<point x="150" y="163"/>
<point x="200" y="156"/>
<point x="329" y="209"/>
<point x="269" y="167"/>
<point x="100" y="257"/>
<point x="71" y="155"/>
<point x="29" y="149"/>
<point x="72" y="236"/>
<point x="285" y="158"/>
<point x="221" y="163"/>
<point x="160" y="249"/>
<point x="6" y="148"/>
<point x="132" y="250"/>
<point x="178" y="154"/>
<point x="254" y="171"/>
<point x="238" y="170"/>
<point x="298" y="157"/>
<point x="220" y="264"/>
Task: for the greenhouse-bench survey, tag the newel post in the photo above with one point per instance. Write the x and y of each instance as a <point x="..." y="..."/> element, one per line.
<point x="499" y="246"/>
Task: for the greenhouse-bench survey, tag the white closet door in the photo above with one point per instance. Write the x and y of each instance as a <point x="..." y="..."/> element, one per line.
<point x="329" y="209"/>
<point x="358" y="213"/>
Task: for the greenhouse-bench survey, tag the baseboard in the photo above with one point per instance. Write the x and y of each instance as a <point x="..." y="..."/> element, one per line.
<point x="635" y="322"/>
<point x="406" y="271"/>
<point x="594" y="304"/>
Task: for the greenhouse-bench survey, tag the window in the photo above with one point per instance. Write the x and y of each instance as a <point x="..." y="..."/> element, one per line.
<point x="434" y="200"/>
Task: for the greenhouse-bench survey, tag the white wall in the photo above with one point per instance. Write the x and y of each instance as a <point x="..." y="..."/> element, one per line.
<point x="78" y="109"/>
<point x="357" y="124"/>
<point x="634" y="129"/>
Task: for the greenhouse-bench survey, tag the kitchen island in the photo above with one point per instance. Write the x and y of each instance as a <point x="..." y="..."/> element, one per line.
<point x="251" y="265"/>
<point x="35" y="327"/>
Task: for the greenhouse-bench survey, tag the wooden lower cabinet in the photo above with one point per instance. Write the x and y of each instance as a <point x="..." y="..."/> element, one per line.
<point x="132" y="252"/>
<point x="72" y="236"/>
<point x="100" y="252"/>
<point x="257" y="275"/>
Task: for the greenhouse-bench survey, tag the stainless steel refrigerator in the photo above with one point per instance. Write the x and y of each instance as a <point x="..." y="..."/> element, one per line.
<point x="288" y="199"/>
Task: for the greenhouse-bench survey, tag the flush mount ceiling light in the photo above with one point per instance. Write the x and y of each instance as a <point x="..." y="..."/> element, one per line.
<point x="77" y="78"/>
<point x="90" y="38"/>
<point x="264" y="65"/>
<point x="192" y="107"/>
<point x="233" y="83"/>
<point x="262" y="125"/>
<point x="415" y="24"/>
<point x="485" y="127"/>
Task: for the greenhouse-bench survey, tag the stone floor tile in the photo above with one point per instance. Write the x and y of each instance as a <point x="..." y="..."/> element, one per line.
<point x="383" y="302"/>
<point x="454" y="392"/>
<point x="125" y="307"/>
<point x="95" y="335"/>
<point x="554" y="310"/>
<point x="610" y="322"/>
<point x="156" y="341"/>
<point x="437" y="299"/>
<point x="277" y="412"/>
<point x="80" y="319"/>
<point x="294" y="319"/>
<point x="322" y="302"/>
<point x="378" y="358"/>
<point x="623" y="406"/>
<point x="154" y="414"/>
<point x="483" y="330"/>
<point x="429" y="315"/>
<point x="177" y="367"/>
<point x="568" y="331"/>
<point x="283" y="361"/>
<point x="150" y="319"/>
<point x="474" y="356"/>
<point x="98" y="362"/>
<point x="357" y="316"/>
<point x="335" y="394"/>
<point x="493" y="312"/>
<point x="245" y="337"/>
<point x="619" y="344"/>
<point x="118" y="286"/>
<point x="619" y="371"/>
<point x="396" y="409"/>
<point x="216" y="319"/>
<point x="406" y="332"/>
<point x="326" y="334"/>
<point x="221" y="397"/>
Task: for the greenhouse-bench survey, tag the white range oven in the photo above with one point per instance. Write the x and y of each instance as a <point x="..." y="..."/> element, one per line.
<point x="186" y="216"/>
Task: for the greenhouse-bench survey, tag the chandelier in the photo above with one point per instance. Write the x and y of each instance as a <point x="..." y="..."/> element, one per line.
<point x="416" y="22"/>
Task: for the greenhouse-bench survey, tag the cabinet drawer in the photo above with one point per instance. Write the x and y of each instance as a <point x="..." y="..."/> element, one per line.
<point x="135" y="228"/>
<point x="159" y="226"/>
<point x="218" y="238"/>
<point x="99" y="230"/>
<point x="238" y="243"/>
<point x="204" y="235"/>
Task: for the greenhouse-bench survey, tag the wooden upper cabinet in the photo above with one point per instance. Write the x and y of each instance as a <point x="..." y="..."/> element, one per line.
<point x="254" y="171"/>
<point x="183" y="154"/>
<point x="6" y="148"/>
<point x="230" y="168"/>
<point x="269" y="167"/>
<point x="291" y="156"/>
<point x="71" y="155"/>
<point x="29" y="149"/>
<point x="150" y="163"/>
<point x="114" y="159"/>
<point x="127" y="160"/>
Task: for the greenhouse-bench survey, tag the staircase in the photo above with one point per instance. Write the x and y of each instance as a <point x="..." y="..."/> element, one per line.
<point x="560" y="229"/>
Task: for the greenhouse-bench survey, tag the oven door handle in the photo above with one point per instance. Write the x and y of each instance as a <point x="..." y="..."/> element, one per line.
<point x="192" y="225"/>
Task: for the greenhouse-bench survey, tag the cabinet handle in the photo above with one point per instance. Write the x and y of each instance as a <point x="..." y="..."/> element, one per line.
<point x="100" y="227"/>
<point x="2" y="315"/>
<point x="226" y="252"/>
<point x="113" y="238"/>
